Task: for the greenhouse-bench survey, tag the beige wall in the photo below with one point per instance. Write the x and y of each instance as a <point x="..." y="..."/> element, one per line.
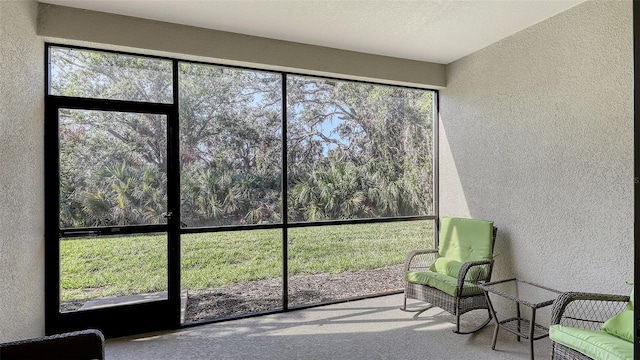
<point x="537" y="135"/>
<point x="230" y="48"/>
<point x="21" y="172"/>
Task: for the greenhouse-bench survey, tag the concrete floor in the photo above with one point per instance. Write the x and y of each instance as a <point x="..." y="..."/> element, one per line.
<point x="365" y="329"/>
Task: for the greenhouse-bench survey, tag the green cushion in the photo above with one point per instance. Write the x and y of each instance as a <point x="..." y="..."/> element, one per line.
<point x="451" y="267"/>
<point x="594" y="344"/>
<point x="446" y="266"/>
<point x="441" y="282"/>
<point x="621" y="325"/>
<point x="465" y="240"/>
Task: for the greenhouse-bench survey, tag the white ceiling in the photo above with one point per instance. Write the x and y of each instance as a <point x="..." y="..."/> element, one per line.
<point x="439" y="31"/>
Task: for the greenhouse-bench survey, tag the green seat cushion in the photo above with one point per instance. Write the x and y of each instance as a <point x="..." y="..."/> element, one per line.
<point x="442" y="282"/>
<point x="594" y="344"/>
<point x="621" y="325"/>
<point x="465" y="240"/>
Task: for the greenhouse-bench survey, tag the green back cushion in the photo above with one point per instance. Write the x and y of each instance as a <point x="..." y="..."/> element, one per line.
<point x="621" y="325"/>
<point x="446" y="266"/>
<point x="462" y="240"/>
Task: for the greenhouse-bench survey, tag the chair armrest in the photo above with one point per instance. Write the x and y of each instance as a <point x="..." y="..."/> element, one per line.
<point x="77" y="345"/>
<point x="586" y="310"/>
<point x="475" y="276"/>
<point x="417" y="260"/>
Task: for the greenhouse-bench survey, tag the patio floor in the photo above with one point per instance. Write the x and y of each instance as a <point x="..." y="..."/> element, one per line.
<point x="364" y="329"/>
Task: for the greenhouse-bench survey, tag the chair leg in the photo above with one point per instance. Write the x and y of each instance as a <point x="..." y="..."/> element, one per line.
<point x="417" y="310"/>
<point x="404" y="306"/>
<point x="485" y="323"/>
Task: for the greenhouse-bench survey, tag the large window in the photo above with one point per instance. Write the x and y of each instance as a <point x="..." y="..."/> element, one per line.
<point x="230" y="146"/>
<point x="229" y="190"/>
<point x="358" y="150"/>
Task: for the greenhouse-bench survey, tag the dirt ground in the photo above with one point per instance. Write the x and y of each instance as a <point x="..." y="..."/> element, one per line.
<point x="264" y="295"/>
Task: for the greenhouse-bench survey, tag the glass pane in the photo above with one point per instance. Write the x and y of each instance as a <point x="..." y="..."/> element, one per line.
<point x="113" y="168"/>
<point x="231" y="273"/>
<point x="230" y="146"/>
<point x="344" y="261"/>
<point x="529" y="293"/>
<point x="358" y="150"/>
<point x="112" y="271"/>
<point x="101" y="75"/>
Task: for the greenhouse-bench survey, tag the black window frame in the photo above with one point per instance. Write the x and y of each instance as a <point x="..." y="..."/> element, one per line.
<point x="53" y="232"/>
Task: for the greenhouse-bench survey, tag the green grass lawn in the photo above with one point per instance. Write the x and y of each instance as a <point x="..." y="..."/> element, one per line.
<point x="126" y="265"/>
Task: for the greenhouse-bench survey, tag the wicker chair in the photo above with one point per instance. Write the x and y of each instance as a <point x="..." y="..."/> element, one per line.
<point x="77" y="345"/>
<point x="583" y="311"/>
<point x="450" y="285"/>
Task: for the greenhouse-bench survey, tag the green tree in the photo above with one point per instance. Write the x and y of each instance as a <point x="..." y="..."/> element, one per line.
<point x="383" y="132"/>
<point x="354" y="150"/>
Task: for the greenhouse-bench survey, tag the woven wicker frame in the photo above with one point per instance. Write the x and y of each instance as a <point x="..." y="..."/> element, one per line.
<point x="451" y="304"/>
<point x="85" y="344"/>
<point x="561" y="352"/>
<point x="585" y="311"/>
<point x="469" y="296"/>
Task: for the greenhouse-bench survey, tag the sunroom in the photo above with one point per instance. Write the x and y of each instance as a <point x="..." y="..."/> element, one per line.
<point x="151" y="167"/>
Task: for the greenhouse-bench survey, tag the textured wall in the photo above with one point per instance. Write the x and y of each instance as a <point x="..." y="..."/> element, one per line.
<point x="21" y="172"/>
<point x="537" y="135"/>
<point x="230" y="48"/>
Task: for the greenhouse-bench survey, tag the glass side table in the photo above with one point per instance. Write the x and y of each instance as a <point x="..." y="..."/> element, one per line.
<point x="525" y="293"/>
